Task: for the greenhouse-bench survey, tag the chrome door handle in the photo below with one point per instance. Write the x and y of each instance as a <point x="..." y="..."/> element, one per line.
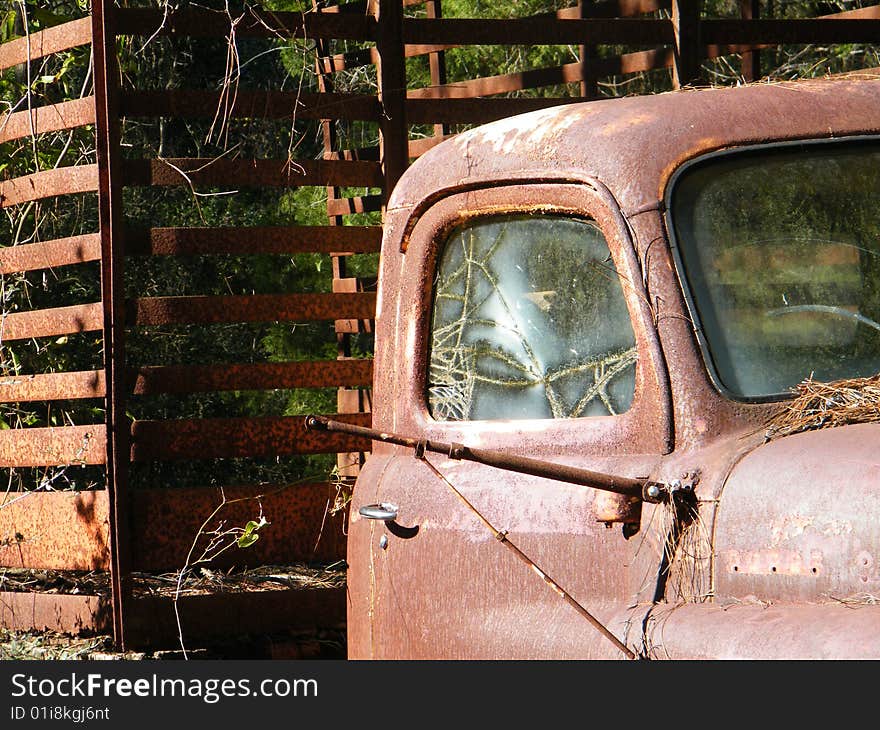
<point x="384" y="511"/>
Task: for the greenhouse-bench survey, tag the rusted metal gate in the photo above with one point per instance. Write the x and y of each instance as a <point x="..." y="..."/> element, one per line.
<point x="123" y="530"/>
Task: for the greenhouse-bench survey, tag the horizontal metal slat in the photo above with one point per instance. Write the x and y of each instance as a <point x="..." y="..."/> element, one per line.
<point x="615" y="8"/>
<point x="257" y="308"/>
<point x="418" y="147"/>
<point x="153" y="621"/>
<point x="48" y="254"/>
<point x="52" y="322"/>
<point x="46" y="184"/>
<point x="565" y="74"/>
<point x="252" y="173"/>
<point x="295" y="514"/>
<point x="357" y="204"/>
<point x="53" y="446"/>
<point x="502" y="83"/>
<point x="230" y="438"/>
<point x="797" y="30"/>
<point x="52" y="386"/>
<point x="57" y="530"/>
<point x="189" y="103"/>
<point x="65" y="614"/>
<point x="256" y="240"/>
<point x="42" y="119"/>
<point x="474" y="111"/>
<point x="609" y="9"/>
<point x="622" y="31"/>
<point x="45" y="42"/>
<point x="358" y="153"/>
<point x="260" y="376"/>
<point x="190" y="379"/>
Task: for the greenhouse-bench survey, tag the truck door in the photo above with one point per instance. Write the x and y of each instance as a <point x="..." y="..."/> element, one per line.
<point x="516" y="320"/>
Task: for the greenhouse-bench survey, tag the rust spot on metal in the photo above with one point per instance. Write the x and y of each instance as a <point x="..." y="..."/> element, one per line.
<point x="54" y="530"/>
<point x="48" y="254"/>
<point x="750" y="629"/>
<point x="257" y="308"/>
<point x="701" y="147"/>
<point x="53" y="446"/>
<point x="45" y="42"/>
<point x="52" y="386"/>
<point x="299" y="528"/>
<point x="64" y="115"/>
<point x="49" y="183"/>
<point x="64" y="614"/>
<point x="241" y="241"/>
<point x="53" y="322"/>
<point x="192" y="379"/>
<point x="226" y="438"/>
<point x="252" y="173"/>
<point x="773" y="562"/>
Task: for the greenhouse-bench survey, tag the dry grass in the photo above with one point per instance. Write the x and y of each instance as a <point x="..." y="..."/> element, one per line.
<point x="825" y="405"/>
<point x="49" y="645"/>
<point x="200" y="580"/>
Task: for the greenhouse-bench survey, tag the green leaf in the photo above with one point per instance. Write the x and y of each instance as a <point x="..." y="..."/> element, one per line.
<point x="7" y="26"/>
<point x="47" y="19"/>
<point x="250" y="534"/>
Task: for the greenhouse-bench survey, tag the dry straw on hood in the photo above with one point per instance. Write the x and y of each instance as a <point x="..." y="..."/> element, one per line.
<point x="825" y="405"/>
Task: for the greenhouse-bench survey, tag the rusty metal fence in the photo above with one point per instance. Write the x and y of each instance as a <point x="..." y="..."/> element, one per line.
<point x="138" y="516"/>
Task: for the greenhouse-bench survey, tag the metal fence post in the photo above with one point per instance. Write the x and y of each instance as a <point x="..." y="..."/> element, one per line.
<point x="751" y="60"/>
<point x="112" y="295"/>
<point x="589" y="86"/>
<point x="687" y="49"/>
<point x="393" y="129"/>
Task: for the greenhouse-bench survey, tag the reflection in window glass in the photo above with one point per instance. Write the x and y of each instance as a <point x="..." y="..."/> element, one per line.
<point x="781" y="250"/>
<point x="529" y="321"/>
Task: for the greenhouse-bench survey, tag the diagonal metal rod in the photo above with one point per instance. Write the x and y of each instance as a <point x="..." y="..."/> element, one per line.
<point x="639" y="488"/>
<point x="501" y="536"/>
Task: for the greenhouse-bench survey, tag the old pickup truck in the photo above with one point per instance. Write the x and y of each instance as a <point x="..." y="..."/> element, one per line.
<point x="589" y="319"/>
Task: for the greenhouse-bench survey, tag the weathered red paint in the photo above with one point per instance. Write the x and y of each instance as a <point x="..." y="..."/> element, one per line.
<point x="790" y="524"/>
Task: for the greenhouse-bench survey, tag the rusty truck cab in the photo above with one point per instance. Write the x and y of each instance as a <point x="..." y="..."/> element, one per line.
<point x="631" y="286"/>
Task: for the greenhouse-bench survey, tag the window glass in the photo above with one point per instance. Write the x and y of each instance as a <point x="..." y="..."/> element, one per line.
<point x="781" y="252"/>
<point x="529" y="321"/>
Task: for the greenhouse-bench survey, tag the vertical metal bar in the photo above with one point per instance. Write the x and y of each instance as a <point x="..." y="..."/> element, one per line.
<point x="437" y="62"/>
<point x="112" y="295"/>
<point x="687" y="50"/>
<point x="751" y="60"/>
<point x="347" y="399"/>
<point x="586" y="55"/>
<point x="393" y="129"/>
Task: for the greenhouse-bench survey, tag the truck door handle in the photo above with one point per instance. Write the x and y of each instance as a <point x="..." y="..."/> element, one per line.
<point x="384" y="511"/>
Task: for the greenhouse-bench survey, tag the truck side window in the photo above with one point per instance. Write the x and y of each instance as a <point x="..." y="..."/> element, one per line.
<point x="781" y="251"/>
<point x="529" y="321"/>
